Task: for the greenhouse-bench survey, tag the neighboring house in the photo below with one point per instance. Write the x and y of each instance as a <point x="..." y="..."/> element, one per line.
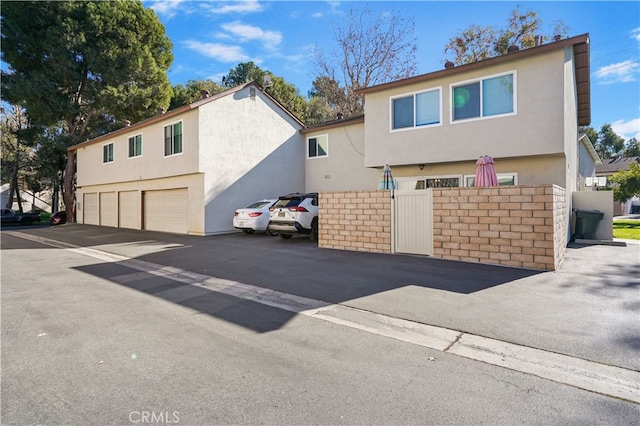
<point x="41" y="200"/>
<point x="610" y="167"/>
<point x="588" y="161"/>
<point x="187" y="170"/>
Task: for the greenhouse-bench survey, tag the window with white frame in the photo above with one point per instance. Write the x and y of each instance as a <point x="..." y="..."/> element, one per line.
<point x="135" y="146"/>
<point x="173" y="139"/>
<point x="417" y="183"/>
<point x="487" y="97"/>
<point x="107" y="153"/>
<point x="504" y="179"/>
<point x="416" y="109"/>
<point x="318" y="146"/>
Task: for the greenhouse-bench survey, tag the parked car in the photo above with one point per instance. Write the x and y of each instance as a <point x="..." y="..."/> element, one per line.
<point x="295" y="214"/>
<point x="11" y="217"/>
<point x="254" y="217"/>
<point x="58" y="218"/>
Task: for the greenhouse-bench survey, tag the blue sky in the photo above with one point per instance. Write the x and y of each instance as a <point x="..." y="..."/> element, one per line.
<point x="212" y="37"/>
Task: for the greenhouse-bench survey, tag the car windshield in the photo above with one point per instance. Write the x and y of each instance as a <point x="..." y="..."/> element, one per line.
<point x="287" y="202"/>
<point x="258" y="204"/>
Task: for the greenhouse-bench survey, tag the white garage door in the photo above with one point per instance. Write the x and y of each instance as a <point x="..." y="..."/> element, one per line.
<point x="166" y="210"/>
<point x="91" y="215"/>
<point x="108" y="209"/>
<point x="129" y="209"/>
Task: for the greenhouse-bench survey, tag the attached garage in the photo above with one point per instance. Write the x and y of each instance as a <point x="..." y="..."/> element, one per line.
<point x="166" y="210"/>
<point x="129" y="209"/>
<point x="108" y="209"/>
<point x="91" y="213"/>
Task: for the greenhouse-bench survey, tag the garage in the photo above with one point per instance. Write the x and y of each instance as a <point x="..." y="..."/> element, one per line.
<point x="129" y="209"/>
<point x="91" y="214"/>
<point x="108" y="209"/>
<point x="166" y="210"/>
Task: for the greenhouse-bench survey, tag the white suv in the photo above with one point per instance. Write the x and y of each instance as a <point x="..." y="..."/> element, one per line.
<point x="295" y="214"/>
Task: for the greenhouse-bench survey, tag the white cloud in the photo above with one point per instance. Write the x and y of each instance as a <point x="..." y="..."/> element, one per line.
<point x="269" y="39"/>
<point x="220" y="52"/>
<point x="635" y="34"/>
<point x="167" y="8"/>
<point x="621" y="72"/>
<point x="221" y="8"/>
<point x="627" y="129"/>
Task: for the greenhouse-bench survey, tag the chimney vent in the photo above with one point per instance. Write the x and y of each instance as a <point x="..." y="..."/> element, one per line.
<point x="537" y="40"/>
<point x="204" y="93"/>
<point x="161" y="111"/>
<point x="513" y="48"/>
<point x="340" y="116"/>
<point x="127" y="123"/>
<point x="448" y="65"/>
<point x="557" y="37"/>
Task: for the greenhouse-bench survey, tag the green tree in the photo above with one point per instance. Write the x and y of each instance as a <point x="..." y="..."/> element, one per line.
<point x="632" y="149"/>
<point x="626" y="183"/>
<point x="192" y="91"/>
<point x="16" y="152"/>
<point x="84" y="66"/>
<point x="608" y="143"/>
<point x="476" y="42"/>
<point x="370" y="50"/>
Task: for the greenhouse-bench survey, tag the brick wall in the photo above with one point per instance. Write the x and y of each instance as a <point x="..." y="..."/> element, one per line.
<point x="514" y="226"/>
<point x="523" y="226"/>
<point x="355" y="220"/>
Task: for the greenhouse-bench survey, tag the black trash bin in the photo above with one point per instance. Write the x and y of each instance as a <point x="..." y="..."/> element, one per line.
<point x="587" y="222"/>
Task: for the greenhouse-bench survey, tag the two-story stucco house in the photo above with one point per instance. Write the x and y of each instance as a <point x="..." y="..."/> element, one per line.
<point x="187" y="170"/>
<point x="523" y="109"/>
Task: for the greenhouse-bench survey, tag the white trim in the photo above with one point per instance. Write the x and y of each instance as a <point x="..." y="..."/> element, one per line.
<point x="113" y="152"/>
<point x="452" y="86"/>
<point x="399" y="180"/>
<point x="326" y="135"/>
<point x="129" y="157"/>
<point x="507" y="174"/>
<point x="414" y="94"/>
<point x="164" y="151"/>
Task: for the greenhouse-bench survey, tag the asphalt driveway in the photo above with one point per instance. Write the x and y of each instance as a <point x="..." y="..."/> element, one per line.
<point x="589" y="308"/>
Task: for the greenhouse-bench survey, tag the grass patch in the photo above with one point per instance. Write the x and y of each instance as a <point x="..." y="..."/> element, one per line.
<point x="626" y="229"/>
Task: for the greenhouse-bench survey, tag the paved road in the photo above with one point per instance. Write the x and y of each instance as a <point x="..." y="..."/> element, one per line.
<point x="92" y="319"/>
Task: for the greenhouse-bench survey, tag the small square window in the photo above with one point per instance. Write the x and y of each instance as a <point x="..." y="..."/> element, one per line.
<point x="318" y="146"/>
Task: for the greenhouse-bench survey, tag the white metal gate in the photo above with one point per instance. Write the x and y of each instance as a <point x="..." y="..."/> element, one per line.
<point x="413" y="222"/>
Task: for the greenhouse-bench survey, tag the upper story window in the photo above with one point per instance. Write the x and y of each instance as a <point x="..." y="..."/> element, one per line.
<point x="415" y="110"/>
<point x="173" y="139"/>
<point x="135" y="146"/>
<point x="107" y="153"/>
<point x="318" y="146"/>
<point x="486" y="97"/>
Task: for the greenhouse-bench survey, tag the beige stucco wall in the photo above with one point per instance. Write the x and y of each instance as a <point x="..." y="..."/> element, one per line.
<point x="194" y="182"/>
<point x="530" y="170"/>
<point x="538" y="127"/>
<point x="152" y="164"/>
<point x="601" y="201"/>
<point x="343" y="168"/>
